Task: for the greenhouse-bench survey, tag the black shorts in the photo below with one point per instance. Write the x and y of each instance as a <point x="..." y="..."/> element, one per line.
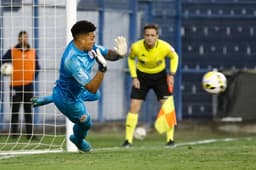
<point x="157" y="82"/>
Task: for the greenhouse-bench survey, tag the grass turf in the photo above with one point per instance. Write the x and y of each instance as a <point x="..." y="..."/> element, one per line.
<point x="148" y="154"/>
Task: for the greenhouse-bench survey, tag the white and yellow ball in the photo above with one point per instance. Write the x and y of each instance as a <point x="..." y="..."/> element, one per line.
<point x="140" y="133"/>
<point x="214" y="82"/>
<point x="6" y="69"/>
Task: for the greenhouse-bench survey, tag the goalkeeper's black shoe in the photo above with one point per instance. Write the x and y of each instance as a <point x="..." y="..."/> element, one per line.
<point x="126" y="144"/>
<point x="170" y="144"/>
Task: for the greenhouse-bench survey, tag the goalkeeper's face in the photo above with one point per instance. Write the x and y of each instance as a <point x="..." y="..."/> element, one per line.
<point x="86" y="41"/>
<point x="150" y="37"/>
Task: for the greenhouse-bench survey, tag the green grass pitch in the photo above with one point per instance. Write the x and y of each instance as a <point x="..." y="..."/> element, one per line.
<point x="227" y="151"/>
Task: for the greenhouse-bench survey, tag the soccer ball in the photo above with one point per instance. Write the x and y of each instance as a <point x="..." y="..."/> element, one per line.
<point x="7" y="69"/>
<point x="214" y="82"/>
<point x="140" y="133"/>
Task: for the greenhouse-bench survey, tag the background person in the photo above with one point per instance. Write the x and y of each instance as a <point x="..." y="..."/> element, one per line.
<point x="148" y="70"/>
<point x="25" y="70"/>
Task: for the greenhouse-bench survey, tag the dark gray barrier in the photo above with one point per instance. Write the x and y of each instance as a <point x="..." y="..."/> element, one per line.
<point x="239" y="99"/>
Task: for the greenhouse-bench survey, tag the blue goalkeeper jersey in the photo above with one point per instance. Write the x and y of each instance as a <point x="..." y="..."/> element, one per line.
<point x="75" y="70"/>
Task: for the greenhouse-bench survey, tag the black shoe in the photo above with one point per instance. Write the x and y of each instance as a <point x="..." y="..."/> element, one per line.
<point x="126" y="144"/>
<point x="171" y="144"/>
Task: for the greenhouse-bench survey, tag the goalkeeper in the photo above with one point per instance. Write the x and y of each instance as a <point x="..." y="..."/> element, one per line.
<point x="148" y="71"/>
<point x="75" y="84"/>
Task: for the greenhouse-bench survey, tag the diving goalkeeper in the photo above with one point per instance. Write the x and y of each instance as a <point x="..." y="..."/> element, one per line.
<point x="75" y="84"/>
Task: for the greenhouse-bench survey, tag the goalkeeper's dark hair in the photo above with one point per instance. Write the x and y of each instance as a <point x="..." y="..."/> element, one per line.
<point x="82" y="27"/>
<point x="151" y="26"/>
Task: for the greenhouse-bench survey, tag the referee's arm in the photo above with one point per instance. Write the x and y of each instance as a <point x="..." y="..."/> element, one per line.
<point x="174" y="61"/>
<point x="132" y="64"/>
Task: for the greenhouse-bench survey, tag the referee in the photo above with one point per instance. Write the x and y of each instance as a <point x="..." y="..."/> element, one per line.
<point x="148" y="71"/>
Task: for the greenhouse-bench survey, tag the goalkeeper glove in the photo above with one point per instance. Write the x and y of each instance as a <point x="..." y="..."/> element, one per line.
<point x="100" y="60"/>
<point x="121" y="45"/>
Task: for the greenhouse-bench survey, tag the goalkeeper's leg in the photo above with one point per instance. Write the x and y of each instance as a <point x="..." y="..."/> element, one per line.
<point x="88" y="96"/>
<point x="40" y="101"/>
<point x="77" y="113"/>
<point x="80" y="132"/>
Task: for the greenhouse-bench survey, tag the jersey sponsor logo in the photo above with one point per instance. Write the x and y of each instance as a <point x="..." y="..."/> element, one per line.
<point x="159" y="62"/>
<point x="90" y="53"/>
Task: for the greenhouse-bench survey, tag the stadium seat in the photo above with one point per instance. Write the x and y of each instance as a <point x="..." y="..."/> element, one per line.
<point x="216" y="34"/>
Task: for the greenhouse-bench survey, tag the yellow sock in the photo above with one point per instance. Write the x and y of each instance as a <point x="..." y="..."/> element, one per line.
<point x="131" y="122"/>
<point x="170" y="134"/>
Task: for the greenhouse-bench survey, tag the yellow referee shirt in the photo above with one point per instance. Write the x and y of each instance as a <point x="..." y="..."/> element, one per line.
<point x="151" y="61"/>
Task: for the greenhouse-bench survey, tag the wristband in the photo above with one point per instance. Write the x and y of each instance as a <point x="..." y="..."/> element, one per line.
<point x="102" y="69"/>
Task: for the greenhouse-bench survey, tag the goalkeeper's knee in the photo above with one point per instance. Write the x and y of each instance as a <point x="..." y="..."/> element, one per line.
<point x="86" y="122"/>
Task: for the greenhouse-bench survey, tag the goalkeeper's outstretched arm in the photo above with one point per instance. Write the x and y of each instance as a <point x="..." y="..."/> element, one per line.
<point x="119" y="51"/>
<point x="113" y="55"/>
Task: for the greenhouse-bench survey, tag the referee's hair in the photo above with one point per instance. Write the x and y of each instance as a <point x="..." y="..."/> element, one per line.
<point x="151" y="26"/>
<point x="82" y="27"/>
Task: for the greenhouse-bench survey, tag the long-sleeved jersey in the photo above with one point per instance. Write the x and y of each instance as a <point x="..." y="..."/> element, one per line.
<point x="151" y="61"/>
<point x="75" y="70"/>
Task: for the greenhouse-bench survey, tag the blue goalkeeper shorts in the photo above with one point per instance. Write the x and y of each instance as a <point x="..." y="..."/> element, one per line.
<point x="73" y="109"/>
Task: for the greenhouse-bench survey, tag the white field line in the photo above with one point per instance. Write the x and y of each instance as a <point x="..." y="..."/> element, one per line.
<point x="6" y="155"/>
<point x="200" y="142"/>
<point x="12" y="154"/>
